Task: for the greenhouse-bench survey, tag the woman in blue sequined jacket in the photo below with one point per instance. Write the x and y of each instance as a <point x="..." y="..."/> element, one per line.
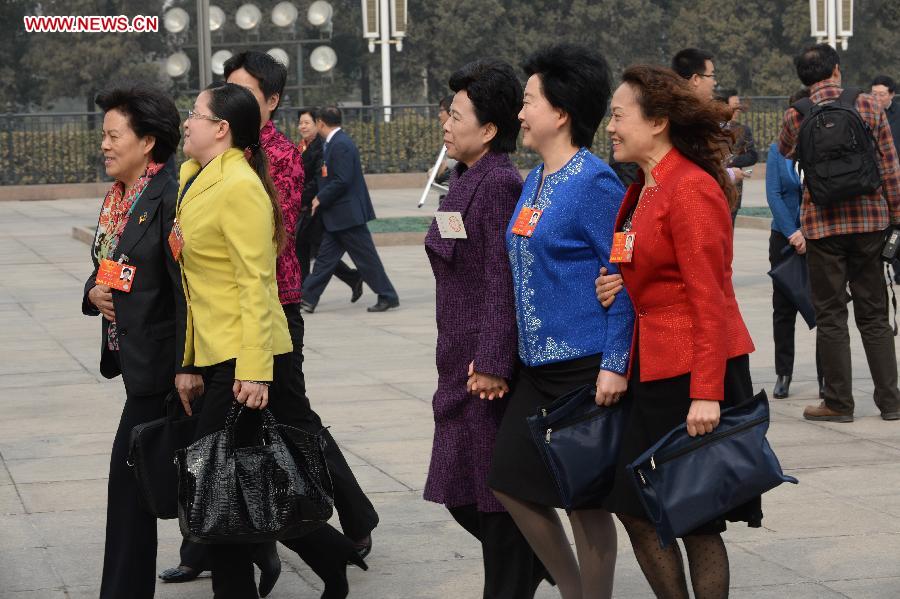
<point x="560" y="235"/>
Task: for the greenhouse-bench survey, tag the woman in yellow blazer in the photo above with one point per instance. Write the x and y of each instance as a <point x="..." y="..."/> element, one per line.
<point x="227" y="235"/>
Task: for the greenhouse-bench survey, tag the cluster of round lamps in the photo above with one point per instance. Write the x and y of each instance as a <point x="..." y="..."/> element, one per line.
<point x="248" y="17"/>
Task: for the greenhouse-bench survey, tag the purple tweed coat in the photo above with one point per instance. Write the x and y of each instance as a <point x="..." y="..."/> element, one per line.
<point x="476" y="320"/>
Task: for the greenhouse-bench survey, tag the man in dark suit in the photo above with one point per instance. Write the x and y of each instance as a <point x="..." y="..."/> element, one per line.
<point x="310" y="229"/>
<point x="346" y="207"/>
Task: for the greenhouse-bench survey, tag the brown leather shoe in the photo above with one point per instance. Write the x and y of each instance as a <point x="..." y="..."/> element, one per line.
<point x="823" y="413"/>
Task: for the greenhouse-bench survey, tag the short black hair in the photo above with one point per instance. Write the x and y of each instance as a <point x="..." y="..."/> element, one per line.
<point x="575" y="80"/>
<point x="312" y="111"/>
<point x="445" y="103"/>
<point x="271" y="74"/>
<point x="149" y="112"/>
<point x="816" y="63"/>
<point x="690" y="62"/>
<point x="885" y="81"/>
<point x="331" y="116"/>
<point x="496" y="94"/>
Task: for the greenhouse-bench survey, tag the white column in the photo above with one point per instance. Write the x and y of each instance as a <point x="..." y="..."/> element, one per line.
<point x="832" y="22"/>
<point x="383" y="7"/>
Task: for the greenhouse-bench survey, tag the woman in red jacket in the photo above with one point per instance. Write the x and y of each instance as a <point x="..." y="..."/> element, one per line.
<point x="690" y="348"/>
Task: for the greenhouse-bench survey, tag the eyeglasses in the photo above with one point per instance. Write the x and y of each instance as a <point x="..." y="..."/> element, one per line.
<point x="203" y="117"/>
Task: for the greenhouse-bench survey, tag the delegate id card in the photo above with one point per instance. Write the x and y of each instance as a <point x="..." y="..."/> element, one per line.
<point x="526" y="221"/>
<point x="622" y="247"/>
<point x="116" y="275"/>
<point x="176" y="240"/>
<point x="450" y="225"/>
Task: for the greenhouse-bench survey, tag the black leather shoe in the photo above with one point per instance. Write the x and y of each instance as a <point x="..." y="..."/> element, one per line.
<point x="890" y="415"/>
<point x="363" y="546"/>
<point x="179" y="574"/>
<point x="357" y="289"/>
<point x="821" y="387"/>
<point x="782" y="387"/>
<point x="269" y="564"/>
<point x="383" y="305"/>
<point x="307" y="307"/>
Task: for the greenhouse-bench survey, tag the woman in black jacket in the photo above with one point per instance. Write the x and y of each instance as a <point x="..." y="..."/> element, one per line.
<point x="136" y="287"/>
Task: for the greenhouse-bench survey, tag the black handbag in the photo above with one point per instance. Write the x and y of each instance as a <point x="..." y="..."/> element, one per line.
<point x="685" y="481"/>
<point x="277" y="489"/>
<point x="579" y="442"/>
<point x="152" y="448"/>
<point x="791" y="277"/>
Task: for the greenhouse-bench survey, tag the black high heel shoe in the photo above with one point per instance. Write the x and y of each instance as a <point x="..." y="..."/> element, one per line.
<point x="328" y="552"/>
<point x="266" y="558"/>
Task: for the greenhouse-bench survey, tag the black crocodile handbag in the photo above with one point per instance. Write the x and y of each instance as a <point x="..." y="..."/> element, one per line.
<point x="277" y="489"/>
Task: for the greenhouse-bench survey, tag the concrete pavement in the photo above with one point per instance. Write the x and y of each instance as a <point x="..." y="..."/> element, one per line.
<point x="371" y="377"/>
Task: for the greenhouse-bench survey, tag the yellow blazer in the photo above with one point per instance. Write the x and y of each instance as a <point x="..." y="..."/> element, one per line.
<point x="228" y="268"/>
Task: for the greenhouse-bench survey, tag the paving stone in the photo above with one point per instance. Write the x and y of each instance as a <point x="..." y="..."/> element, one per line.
<point x="371" y="377"/>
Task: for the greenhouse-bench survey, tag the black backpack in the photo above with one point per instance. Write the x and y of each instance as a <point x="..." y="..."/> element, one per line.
<point x="836" y="150"/>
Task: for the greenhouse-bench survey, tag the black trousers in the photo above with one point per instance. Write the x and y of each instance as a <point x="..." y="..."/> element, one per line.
<point x="356" y="241"/>
<point x="784" y="315"/>
<point x="309" y="238"/>
<point x="511" y="570"/>
<point x="129" y="557"/>
<point x="833" y="263"/>
<point x="356" y="513"/>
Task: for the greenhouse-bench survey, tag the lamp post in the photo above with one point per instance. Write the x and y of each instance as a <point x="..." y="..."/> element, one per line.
<point x="384" y="22"/>
<point x="204" y="44"/>
<point x="831" y="21"/>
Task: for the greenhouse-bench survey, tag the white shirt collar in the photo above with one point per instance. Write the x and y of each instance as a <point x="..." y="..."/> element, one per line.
<point x="330" y="135"/>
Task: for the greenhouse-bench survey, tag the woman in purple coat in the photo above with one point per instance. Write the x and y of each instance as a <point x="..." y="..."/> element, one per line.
<point x="476" y="322"/>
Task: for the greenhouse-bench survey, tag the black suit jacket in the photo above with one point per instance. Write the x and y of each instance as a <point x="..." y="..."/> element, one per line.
<point x="151" y="318"/>
<point x="343" y="196"/>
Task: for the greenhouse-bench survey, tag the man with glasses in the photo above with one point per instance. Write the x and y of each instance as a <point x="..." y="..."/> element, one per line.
<point x="697" y="67"/>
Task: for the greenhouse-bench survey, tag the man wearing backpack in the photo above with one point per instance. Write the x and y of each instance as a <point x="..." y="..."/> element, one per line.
<point x="851" y="197"/>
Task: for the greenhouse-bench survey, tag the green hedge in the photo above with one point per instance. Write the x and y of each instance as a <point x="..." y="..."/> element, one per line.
<point x="46" y="150"/>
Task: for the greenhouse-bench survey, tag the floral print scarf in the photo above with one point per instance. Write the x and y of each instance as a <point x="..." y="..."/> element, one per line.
<point x="118" y="205"/>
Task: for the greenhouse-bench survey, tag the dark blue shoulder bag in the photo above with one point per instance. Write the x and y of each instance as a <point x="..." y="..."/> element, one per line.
<point x="579" y="442"/>
<point x="686" y="481"/>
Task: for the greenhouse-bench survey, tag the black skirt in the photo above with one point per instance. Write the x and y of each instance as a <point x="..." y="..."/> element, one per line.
<point x="658" y="407"/>
<point x="517" y="468"/>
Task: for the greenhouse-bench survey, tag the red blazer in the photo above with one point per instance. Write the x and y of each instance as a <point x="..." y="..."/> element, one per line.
<point x="679" y="278"/>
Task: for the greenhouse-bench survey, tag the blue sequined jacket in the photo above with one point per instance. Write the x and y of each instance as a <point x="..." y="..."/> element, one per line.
<point x="559" y="317"/>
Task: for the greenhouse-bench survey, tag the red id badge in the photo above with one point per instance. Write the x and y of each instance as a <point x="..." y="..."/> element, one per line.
<point x="116" y="275"/>
<point x="176" y="241"/>
<point x="622" y="247"/>
<point x="526" y="221"/>
<point x="324" y="171"/>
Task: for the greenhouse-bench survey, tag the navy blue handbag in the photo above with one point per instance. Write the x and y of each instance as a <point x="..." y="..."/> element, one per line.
<point x="579" y="442"/>
<point x="791" y="277"/>
<point x="685" y="481"/>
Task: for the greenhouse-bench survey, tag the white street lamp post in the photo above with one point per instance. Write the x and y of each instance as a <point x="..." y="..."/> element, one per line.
<point x="831" y="21"/>
<point x="384" y="22"/>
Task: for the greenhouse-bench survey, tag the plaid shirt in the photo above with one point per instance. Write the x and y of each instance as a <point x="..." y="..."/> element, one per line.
<point x="867" y="213"/>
